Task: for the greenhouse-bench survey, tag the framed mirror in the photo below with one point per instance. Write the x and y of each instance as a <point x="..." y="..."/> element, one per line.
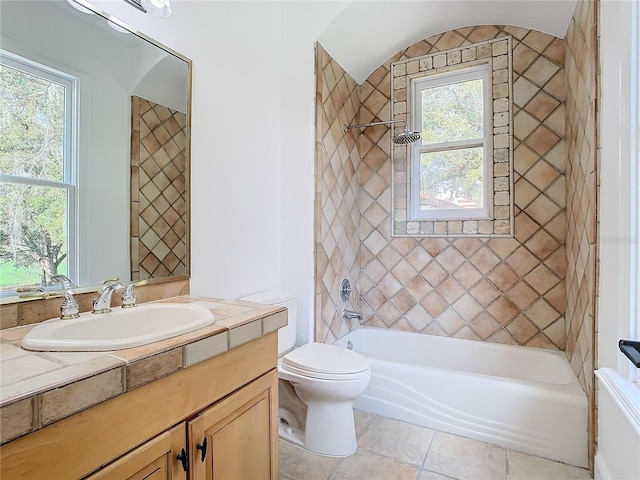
<point x="94" y="162"/>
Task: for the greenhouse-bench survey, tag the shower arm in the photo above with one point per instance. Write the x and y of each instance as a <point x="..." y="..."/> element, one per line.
<point x="364" y="125"/>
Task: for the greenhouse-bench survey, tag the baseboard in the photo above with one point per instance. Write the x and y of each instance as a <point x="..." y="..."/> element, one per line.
<point x="601" y="471"/>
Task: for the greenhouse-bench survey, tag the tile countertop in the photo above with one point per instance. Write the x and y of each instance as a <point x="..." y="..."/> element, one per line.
<point x="40" y="388"/>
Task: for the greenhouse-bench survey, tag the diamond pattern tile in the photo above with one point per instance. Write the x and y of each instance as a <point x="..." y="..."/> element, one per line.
<point x="467" y="275"/>
<point x="581" y="186"/>
<point x="506" y="290"/>
<point x="158" y="191"/>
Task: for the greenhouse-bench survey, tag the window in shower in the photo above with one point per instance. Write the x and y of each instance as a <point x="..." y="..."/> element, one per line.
<point x="457" y="180"/>
<point x="451" y="165"/>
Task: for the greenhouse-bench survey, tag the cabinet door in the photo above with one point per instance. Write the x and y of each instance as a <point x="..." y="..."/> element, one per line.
<point x="237" y="437"/>
<point x="153" y="460"/>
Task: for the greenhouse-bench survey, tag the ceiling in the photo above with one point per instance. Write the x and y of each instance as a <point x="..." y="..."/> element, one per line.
<point x="366" y="33"/>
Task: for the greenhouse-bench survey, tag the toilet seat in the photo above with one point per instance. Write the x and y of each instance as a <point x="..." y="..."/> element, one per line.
<point x="326" y="362"/>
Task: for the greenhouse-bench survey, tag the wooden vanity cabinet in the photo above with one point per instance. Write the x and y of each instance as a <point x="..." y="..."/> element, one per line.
<point x="237" y="437"/>
<point x="231" y="440"/>
<point x="230" y="400"/>
<point x="154" y="460"/>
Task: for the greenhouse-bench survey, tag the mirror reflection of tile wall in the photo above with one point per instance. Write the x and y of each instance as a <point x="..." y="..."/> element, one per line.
<point x="158" y="190"/>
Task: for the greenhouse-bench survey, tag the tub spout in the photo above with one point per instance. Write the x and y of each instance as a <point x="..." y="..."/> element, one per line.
<point x="348" y="314"/>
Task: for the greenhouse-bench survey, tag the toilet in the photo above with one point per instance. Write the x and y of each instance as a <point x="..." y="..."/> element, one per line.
<point x="317" y="386"/>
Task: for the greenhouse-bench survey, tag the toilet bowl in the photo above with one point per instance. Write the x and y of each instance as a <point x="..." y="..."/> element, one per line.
<point x="317" y="386"/>
<point x="327" y="379"/>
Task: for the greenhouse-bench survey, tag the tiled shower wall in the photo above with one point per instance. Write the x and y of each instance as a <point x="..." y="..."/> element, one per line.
<point x="337" y="215"/>
<point x="505" y="290"/>
<point x="158" y="190"/>
<point x="581" y="190"/>
<point x="582" y="180"/>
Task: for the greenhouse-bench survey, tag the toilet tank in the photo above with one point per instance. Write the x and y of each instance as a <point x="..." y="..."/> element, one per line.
<point x="286" y="335"/>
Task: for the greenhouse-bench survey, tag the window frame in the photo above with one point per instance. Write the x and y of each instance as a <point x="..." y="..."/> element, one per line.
<point x="498" y="54"/>
<point x="418" y="85"/>
<point x="634" y="204"/>
<point x="69" y="182"/>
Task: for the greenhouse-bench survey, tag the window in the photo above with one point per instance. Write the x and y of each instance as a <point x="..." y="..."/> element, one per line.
<point x="38" y="124"/>
<point x="458" y="179"/>
<point x="451" y="164"/>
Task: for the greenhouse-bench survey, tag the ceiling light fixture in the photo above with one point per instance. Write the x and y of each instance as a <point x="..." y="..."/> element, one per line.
<point x="159" y="8"/>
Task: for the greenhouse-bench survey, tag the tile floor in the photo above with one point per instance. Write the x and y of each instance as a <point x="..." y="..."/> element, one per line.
<point x="393" y="450"/>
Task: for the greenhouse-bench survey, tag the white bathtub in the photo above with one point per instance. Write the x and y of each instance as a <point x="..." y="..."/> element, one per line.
<point x="527" y="399"/>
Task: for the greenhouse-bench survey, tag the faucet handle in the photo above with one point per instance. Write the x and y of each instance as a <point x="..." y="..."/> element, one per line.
<point x="347" y="293"/>
<point x="109" y="280"/>
<point x="70" y="307"/>
<point x="129" y="296"/>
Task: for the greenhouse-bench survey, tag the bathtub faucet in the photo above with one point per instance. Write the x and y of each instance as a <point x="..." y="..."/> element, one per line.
<point x="347" y="314"/>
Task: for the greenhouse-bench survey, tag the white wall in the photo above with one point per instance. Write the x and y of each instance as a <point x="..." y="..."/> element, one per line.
<point x="159" y="76"/>
<point x="303" y="22"/>
<point x="252" y="140"/>
<point x="369" y="32"/>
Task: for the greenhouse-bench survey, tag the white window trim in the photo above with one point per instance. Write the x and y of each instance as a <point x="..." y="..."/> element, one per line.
<point x="618" y="316"/>
<point x="634" y="204"/>
<point x="417" y="85"/>
<point x="619" y="240"/>
<point x="70" y="161"/>
<point x="497" y="53"/>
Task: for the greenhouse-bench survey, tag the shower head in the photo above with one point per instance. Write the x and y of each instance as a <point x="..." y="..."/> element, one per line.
<point x="406" y="137"/>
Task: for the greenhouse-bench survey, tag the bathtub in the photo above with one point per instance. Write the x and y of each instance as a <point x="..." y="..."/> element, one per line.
<point x="526" y="399"/>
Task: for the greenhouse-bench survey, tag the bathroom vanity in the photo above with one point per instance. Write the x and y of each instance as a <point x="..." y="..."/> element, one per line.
<point x="198" y="406"/>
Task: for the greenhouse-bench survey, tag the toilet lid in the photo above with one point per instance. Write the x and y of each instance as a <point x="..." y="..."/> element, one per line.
<point x="323" y="359"/>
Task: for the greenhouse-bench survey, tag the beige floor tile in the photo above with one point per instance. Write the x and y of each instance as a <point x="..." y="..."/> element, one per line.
<point x="464" y="458"/>
<point x="528" y="467"/>
<point x="362" y="419"/>
<point x="366" y="465"/>
<point x="425" y="475"/>
<point x="393" y="438"/>
<point x="298" y="464"/>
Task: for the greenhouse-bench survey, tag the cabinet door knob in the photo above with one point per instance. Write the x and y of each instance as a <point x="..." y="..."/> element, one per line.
<point x="203" y="449"/>
<point x="182" y="456"/>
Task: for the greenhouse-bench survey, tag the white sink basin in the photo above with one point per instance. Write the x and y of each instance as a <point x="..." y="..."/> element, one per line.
<point x="118" y="329"/>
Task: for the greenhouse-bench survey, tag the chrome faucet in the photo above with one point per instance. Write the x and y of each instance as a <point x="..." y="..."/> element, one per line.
<point x="64" y="282"/>
<point x="351" y="314"/>
<point x="102" y="303"/>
